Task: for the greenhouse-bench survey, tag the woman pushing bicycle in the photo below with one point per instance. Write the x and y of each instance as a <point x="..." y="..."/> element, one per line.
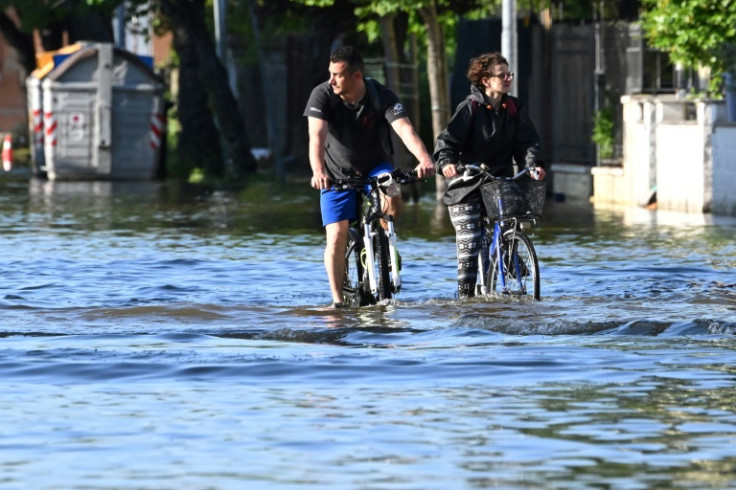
<point x="349" y="118"/>
<point x="489" y="127"/>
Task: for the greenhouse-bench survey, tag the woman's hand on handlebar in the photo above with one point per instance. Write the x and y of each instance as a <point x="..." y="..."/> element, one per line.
<point x="450" y="170"/>
<point x="538" y="173"/>
<point x="453" y="170"/>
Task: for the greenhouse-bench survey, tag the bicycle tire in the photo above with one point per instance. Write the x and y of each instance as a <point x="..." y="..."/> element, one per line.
<point x="355" y="289"/>
<point x="380" y="245"/>
<point x="520" y="267"/>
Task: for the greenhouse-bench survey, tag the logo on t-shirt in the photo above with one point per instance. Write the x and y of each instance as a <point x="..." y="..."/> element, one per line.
<point x="314" y="109"/>
<point x="397" y="109"/>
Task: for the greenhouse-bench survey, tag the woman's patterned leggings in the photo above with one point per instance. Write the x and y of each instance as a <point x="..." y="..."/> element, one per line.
<point x="465" y="217"/>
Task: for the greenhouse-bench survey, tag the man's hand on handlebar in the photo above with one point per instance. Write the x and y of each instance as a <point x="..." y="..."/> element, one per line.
<point x="425" y="169"/>
<point x="320" y="180"/>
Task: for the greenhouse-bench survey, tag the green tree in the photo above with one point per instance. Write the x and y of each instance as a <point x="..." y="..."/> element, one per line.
<point x="694" y="33"/>
<point x="208" y="90"/>
<point x="76" y="18"/>
<point x="210" y="72"/>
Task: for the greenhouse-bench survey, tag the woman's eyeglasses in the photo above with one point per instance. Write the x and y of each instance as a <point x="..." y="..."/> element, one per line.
<point x="505" y="76"/>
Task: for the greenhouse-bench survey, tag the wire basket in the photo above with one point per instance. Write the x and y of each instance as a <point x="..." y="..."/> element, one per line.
<point x="514" y="198"/>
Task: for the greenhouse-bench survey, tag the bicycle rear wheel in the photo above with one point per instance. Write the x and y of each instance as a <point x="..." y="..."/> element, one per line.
<point x="519" y="271"/>
<point x="355" y="286"/>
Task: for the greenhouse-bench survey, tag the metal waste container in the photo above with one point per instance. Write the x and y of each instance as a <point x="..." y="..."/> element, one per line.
<point x="103" y="116"/>
<point x="34" y="95"/>
<point x="45" y="62"/>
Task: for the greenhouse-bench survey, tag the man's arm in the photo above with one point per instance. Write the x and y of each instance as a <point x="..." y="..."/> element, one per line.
<point x="317" y="138"/>
<point x="414" y="144"/>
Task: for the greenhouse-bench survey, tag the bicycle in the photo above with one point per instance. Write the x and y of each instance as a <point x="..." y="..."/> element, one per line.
<point x="508" y="264"/>
<point x="372" y="262"/>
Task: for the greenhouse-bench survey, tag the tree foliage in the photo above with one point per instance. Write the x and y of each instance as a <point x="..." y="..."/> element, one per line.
<point x="694" y="32"/>
<point x="91" y="20"/>
<point x="77" y="19"/>
<point x="41" y="13"/>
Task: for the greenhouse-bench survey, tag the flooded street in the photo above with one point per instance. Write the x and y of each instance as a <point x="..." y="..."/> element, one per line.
<point x="153" y="336"/>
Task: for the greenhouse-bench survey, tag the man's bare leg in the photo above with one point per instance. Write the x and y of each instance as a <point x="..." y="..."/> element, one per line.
<point x="392" y="206"/>
<point x="337" y="242"/>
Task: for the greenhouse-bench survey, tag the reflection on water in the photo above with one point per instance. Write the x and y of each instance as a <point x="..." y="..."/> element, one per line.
<point x="158" y="336"/>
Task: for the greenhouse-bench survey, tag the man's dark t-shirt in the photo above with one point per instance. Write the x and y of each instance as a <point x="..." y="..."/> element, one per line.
<point x="355" y="136"/>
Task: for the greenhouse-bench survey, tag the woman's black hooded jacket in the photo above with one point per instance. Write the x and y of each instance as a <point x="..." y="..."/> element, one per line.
<point x="496" y="136"/>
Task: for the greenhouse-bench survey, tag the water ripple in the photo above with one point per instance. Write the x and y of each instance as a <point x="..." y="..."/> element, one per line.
<point x="194" y="328"/>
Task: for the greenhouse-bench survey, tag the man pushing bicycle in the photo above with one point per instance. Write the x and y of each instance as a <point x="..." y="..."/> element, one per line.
<point x="348" y="120"/>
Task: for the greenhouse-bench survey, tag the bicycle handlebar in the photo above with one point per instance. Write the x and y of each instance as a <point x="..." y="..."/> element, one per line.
<point x="482" y="168"/>
<point x="382" y="180"/>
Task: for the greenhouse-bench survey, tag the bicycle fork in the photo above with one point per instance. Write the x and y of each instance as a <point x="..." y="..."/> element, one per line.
<point x="491" y="248"/>
<point x="393" y="254"/>
<point x="507" y="258"/>
<point x="369" y="263"/>
<point x="498" y="249"/>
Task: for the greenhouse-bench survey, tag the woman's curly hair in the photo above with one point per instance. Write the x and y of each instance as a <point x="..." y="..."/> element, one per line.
<point x="481" y="66"/>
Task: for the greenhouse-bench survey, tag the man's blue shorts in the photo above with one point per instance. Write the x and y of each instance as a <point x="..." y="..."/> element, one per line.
<point x="343" y="205"/>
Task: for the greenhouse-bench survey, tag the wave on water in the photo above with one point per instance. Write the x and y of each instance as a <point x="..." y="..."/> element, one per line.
<point x="700" y="313"/>
<point x="361" y="328"/>
<point x="396" y="340"/>
<point x="642" y="327"/>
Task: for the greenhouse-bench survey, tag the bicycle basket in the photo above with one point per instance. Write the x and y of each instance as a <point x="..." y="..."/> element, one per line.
<point x="510" y="198"/>
<point x="535" y="191"/>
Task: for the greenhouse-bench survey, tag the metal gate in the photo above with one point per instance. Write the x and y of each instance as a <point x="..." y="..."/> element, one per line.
<point x="572" y="96"/>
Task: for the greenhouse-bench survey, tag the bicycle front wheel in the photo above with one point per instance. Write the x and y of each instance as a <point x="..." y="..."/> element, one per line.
<point x="355" y="287"/>
<point x="518" y="272"/>
<point x="380" y="246"/>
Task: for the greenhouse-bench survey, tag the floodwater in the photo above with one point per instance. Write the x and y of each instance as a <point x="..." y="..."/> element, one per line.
<point x="157" y="337"/>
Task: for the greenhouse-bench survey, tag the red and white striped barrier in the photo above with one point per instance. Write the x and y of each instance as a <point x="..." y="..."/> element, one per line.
<point x="37" y="122"/>
<point x="50" y="128"/>
<point x="157" y="130"/>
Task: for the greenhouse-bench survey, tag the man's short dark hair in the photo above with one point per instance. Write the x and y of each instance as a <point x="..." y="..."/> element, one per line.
<point x="351" y="57"/>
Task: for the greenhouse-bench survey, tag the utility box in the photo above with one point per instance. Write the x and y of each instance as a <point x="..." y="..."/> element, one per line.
<point x="103" y="116"/>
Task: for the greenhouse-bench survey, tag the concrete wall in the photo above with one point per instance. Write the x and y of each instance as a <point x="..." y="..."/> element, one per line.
<point x="640" y="148"/>
<point x="724" y="170"/>
<point x="684" y="149"/>
<point x="634" y="181"/>
<point x="680" y="168"/>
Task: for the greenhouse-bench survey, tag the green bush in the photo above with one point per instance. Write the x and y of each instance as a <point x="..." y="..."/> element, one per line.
<point x="603" y="131"/>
